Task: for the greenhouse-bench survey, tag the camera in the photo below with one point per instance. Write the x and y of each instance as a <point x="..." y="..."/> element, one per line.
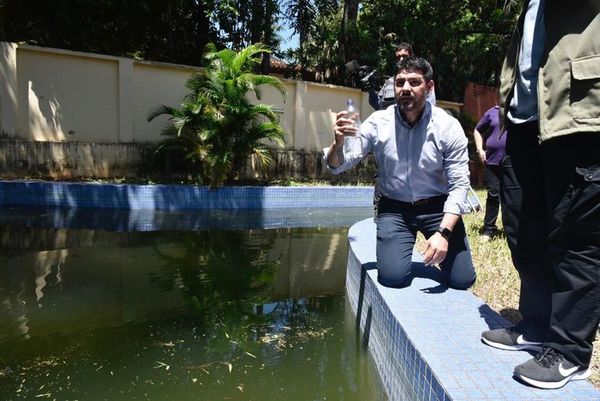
<point x="364" y="76"/>
<point x="367" y="77"/>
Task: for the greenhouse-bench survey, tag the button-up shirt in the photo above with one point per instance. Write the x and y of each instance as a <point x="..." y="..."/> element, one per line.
<point x="425" y="160"/>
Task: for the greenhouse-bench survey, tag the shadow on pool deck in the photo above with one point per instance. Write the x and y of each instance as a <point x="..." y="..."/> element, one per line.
<point x="425" y="338"/>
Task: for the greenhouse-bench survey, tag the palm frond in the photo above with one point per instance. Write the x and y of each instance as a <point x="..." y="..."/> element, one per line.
<point x="263" y="110"/>
<point x="258" y="80"/>
<point x="266" y="130"/>
<point x="246" y="59"/>
<point x="263" y="155"/>
<point x="161" y="110"/>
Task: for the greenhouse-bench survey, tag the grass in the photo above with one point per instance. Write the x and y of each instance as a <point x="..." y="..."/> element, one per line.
<point x="497" y="280"/>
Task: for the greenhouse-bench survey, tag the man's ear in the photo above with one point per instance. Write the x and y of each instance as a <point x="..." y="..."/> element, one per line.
<point x="430" y="85"/>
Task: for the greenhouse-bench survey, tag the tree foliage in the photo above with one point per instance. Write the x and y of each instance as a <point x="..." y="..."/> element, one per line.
<point x="169" y="30"/>
<point x="463" y="39"/>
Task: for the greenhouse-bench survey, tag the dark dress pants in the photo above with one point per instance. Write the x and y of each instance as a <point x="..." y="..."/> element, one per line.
<point x="492" y="203"/>
<point x="551" y="213"/>
<point x="397" y="227"/>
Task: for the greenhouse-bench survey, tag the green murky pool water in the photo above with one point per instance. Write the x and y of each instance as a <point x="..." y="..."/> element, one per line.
<point x="203" y="314"/>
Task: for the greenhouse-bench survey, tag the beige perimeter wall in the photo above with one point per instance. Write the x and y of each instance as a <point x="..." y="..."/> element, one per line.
<point x="59" y="95"/>
<point x="70" y="114"/>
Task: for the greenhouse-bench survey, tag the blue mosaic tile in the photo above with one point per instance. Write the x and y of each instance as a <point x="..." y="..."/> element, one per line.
<point x="180" y="197"/>
<point x="443" y="353"/>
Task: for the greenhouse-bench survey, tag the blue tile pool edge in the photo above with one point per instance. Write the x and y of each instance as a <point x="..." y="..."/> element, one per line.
<point x="180" y="197"/>
<point x="379" y="335"/>
<point x="411" y="360"/>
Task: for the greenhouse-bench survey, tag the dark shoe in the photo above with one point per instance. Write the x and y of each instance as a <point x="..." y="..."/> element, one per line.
<point x="509" y="339"/>
<point x="549" y="369"/>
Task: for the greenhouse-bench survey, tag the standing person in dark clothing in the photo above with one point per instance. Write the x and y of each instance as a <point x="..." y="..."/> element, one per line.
<point x="385" y="97"/>
<point x="550" y="105"/>
<point x="490" y="143"/>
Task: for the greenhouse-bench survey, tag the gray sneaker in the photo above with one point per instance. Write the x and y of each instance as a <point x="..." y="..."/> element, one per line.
<point x="509" y="339"/>
<point x="549" y="369"/>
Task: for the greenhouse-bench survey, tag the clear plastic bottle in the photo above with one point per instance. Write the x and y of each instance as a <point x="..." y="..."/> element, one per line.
<point x="353" y="144"/>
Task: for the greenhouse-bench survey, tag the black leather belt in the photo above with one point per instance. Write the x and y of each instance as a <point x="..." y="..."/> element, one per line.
<point x="388" y="205"/>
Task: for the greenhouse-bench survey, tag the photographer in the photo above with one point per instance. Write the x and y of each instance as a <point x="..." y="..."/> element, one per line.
<point x="385" y="97"/>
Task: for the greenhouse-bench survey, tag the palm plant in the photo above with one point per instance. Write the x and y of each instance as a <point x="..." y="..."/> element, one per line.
<point x="217" y="127"/>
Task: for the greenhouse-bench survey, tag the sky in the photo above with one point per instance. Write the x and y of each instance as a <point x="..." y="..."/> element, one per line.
<point x="286" y="41"/>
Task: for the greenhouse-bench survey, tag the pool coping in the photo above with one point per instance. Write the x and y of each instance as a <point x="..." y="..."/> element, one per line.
<point x="425" y="338"/>
<point x="179" y="197"/>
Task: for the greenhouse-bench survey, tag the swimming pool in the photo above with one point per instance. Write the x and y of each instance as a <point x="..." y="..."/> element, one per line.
<point x="208" y="305"/>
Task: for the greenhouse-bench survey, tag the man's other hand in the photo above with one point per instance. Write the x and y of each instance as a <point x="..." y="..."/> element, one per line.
<point x="437" y="248"/>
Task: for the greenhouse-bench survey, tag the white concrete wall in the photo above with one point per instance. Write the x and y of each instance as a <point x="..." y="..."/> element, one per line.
<point x="154" y="85"/>
<point x="62" y="96"/>
<point x="8" y="89"/>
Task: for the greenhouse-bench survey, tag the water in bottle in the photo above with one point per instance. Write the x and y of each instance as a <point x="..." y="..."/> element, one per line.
<point x="353" y="144"/>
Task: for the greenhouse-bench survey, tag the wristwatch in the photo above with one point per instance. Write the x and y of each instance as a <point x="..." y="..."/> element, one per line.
<point x="445" y="232"/>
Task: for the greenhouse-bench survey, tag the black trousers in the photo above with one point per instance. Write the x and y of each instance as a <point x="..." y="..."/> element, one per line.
<point x="492" y="202"/>
<point x="397" y="226"/>
<point x="551" y="212"/>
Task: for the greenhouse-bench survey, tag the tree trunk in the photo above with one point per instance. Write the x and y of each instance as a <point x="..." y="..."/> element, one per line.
<point x="347" y="48"/>
<point x="202" y="29"/>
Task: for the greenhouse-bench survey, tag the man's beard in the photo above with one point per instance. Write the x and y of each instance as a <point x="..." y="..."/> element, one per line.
<point x="407" y="104"/>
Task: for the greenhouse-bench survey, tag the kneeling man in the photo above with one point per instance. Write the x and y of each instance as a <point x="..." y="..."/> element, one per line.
<point x="422" y="176"/>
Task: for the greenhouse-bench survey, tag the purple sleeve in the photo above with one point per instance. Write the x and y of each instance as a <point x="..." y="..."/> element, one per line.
<point x="484" y="122"/>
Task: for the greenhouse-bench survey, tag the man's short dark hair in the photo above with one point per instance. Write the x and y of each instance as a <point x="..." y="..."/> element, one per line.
<point x="414" y="63"/>
<point x="404" y="46"/>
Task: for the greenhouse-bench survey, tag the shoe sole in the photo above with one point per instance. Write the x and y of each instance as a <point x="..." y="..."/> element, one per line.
<point x="580" y="375"/>
<point x="517" y="347"/>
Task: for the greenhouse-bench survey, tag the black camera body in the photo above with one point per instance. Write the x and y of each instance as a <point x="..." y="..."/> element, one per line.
<point x="364" y="76"/>
<point x="367" y="77"/>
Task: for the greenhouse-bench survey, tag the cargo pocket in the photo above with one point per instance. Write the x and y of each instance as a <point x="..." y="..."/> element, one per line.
<point x="585" y="87"/>
<point x="580" y="207"/>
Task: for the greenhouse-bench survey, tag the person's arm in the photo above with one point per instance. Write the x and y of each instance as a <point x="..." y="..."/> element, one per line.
<point x="482" y="126"/>
<point x="456" y="166"/>
<point x="478" y="139"/>
<point x="335" y="155"/>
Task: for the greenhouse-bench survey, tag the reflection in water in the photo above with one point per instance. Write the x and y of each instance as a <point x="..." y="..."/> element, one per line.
<point x="48" y="271"/>
<point x="182" y="315"/>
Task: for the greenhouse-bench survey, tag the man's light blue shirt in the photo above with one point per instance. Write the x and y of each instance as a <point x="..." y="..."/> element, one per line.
<point x="524" y="103"/>
<point x="413" y="163"/>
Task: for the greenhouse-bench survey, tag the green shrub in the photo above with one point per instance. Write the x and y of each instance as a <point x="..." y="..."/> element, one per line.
<point x="216" y="127"/>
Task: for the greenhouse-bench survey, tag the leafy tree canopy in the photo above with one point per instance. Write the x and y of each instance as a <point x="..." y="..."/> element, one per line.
<point x="463" y="39"/>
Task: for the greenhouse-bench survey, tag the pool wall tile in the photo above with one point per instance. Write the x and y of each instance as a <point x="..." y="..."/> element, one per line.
<point x="179" y="197"/>
<point x="425" y="338"/>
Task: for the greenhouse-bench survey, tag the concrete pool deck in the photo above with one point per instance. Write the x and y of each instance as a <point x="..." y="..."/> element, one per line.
<point x="425" y="338"/>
